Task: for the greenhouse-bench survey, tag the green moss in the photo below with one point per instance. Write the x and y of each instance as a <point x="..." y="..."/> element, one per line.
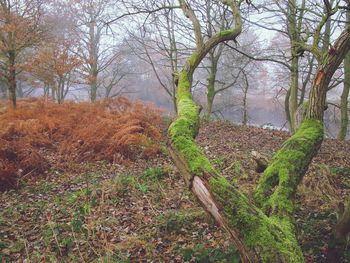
<point x="274" y="237"/>
<point x="225" y="33"/>
<point x="185" y="128"/>
<point x="279" y="182"/>
<point x="192" y="60"/>
<point x="174" y="221"/>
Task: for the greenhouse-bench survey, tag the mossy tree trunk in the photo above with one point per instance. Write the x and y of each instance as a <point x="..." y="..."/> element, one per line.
<point x="265" y="233"/>
<point x="278" y="184"/>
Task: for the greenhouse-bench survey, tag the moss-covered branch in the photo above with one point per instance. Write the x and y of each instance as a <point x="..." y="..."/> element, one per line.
<point x="272" y="239"/>
<point x="280" y="180"/>
<point x="185" y="127"/>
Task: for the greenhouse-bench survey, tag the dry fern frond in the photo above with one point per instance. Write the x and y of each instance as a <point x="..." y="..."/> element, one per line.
<point x="113" y="130"/>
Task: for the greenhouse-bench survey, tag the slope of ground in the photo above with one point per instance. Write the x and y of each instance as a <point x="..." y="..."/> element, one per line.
<point x="142" y="211"/>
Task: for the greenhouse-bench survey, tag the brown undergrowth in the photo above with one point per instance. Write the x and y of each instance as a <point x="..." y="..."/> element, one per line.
<point x="116" y="130"/>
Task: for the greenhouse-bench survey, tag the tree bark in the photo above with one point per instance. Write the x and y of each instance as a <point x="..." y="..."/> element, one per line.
<point x="93" y="63"/>
<point x="294" y="36"/>
<point x="287" y="109"/>
<point x="344" y="118"/>
<point x="211" y="86"/>
<point x="344" y="99"/>
<point x="245" y="102"/>
<point x="12" y="83"/>
<point x="293" y="98"/>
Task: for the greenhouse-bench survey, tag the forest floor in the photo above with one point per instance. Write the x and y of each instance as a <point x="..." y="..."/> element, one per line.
<point x="142" y="211"/>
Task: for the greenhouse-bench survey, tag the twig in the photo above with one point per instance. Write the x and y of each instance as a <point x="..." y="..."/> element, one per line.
<point x="54" y="234"/>
<point x="77" y="245"/>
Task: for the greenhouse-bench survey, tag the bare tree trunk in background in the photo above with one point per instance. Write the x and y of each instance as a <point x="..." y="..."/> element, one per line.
<point x="12" y="83"/>
<point x="344" y="117"/>
<point x="344" y="101"/>
<point x="245" y="93"/>
<point x="211" y="84"/>
<point x="293" y="92"/>
<point x="93" y="73"/>
<point x="294" y="35"/>
<point x="287" y="108"/>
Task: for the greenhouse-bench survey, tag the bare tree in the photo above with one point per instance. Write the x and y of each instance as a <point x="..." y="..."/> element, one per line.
<point x="96" y="46"/>
<point x="163" y="44"/>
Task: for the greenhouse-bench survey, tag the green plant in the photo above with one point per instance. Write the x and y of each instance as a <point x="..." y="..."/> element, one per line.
<point x="219" y="162"/>
<point x="46" y="187"/>
<point x="342" y="171"/>
<point x="4" y="258"/>
<point x="2" y="245"/>
<point x="143" y="188"/>
<point x="153" y="174"/>
<point x="174" y="221"/>
<point x="67" y="243"/>
<point x="124" y="182"/>
<point x="236" y="168"/>
<point x="202" y="254"/>
<point x="79" y="217"/>
<point x="237" y="171"/>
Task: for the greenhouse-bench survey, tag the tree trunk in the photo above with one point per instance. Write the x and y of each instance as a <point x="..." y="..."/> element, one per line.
<point x="294" y="36"/>
<point x="53" y="92"/>
<point x="93" y="74"/>
<point x="287" y="109"/>
<point x="344" y="118"/>
<point x="210" y="93"/>
<point x="293" y="98"/>
<point x="245" y="106"/>
<point x="12" y="84"/>
<point x="93" y="85"/>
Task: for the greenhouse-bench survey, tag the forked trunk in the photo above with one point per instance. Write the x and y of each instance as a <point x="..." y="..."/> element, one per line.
<point x="264" y="231"/>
